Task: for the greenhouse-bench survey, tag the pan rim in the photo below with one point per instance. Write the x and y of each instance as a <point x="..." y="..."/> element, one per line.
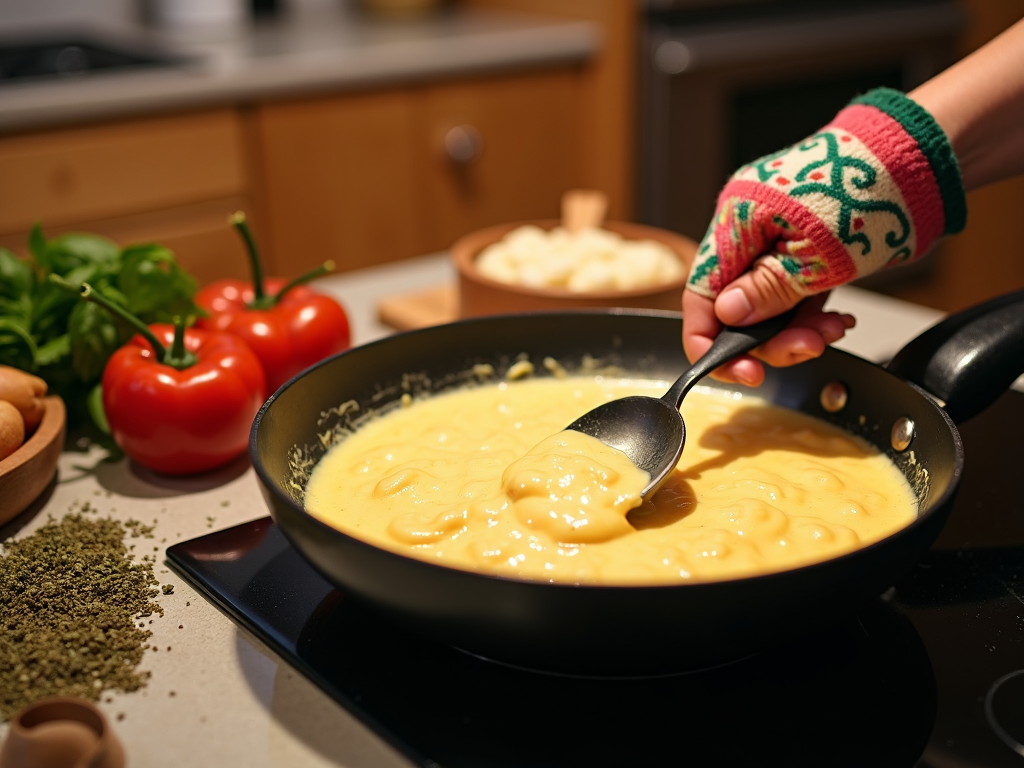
<point x="803" y="571"/>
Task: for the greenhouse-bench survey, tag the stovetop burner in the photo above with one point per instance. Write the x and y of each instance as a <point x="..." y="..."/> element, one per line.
<point x="929" y="674"/>
<point x="73" y="56"/>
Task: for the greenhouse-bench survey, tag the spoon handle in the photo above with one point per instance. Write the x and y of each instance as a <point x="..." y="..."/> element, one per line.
<point x="731" y="342"/>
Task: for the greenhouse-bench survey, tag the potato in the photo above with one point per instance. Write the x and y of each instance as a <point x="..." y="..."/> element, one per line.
<point x="12" y="429"/>
<point x="25" y="392"/>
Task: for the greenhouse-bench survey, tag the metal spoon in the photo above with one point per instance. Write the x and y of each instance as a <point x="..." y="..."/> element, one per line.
<point x="650" y="430"/>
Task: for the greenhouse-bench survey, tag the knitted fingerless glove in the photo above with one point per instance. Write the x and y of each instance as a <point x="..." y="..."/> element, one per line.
<point x="877" y="186"/>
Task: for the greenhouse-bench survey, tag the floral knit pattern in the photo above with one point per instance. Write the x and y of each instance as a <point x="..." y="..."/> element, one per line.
<point x="876" y="187"/>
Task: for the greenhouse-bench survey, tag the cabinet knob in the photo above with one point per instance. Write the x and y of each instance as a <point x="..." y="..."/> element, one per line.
<point x="463" y="144"/>
<point x="673" y="57"/>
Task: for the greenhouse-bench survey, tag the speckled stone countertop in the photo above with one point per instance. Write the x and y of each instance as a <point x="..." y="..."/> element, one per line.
<point x="217" y="696"/>
<point x="323" y="51"/>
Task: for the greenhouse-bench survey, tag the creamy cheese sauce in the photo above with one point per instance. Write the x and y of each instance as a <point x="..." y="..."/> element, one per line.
<point x="484" y="479"/>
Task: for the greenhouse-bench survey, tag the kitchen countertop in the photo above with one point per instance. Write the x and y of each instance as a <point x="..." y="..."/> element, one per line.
<point x="295" y="54"/>
<point x="217" y="695"/>
<point x="884" y="324"/>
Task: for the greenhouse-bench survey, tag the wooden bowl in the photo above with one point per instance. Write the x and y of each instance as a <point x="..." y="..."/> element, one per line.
<point x="26" y="472"/>
<point x="479" y="295"/>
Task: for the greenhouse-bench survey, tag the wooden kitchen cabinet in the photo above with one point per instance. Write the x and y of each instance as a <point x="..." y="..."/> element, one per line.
<point x="357" y="175"/>
<point x="338" y="179"/>
<point x="170" y="179"/>
<point x="360" y="177"/>
<point x="363" y="178"/>
<point x="527" y="154"/>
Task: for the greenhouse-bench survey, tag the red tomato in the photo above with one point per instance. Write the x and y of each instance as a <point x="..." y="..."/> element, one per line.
<point x="183" y="421"/>
<point x="302" y="328"/>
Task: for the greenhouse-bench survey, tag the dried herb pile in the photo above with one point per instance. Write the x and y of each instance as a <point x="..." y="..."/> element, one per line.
<point x="71" y="595"/>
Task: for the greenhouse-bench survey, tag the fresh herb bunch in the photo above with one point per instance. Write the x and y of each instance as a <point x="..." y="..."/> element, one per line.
<point x="45" y="329"/>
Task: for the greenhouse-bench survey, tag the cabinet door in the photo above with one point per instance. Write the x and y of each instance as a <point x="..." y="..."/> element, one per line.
<point x="527" y="153"/>
<point x="339" y="184"/>
<point x="203" y="242"/>
<point x="78" y="175"/>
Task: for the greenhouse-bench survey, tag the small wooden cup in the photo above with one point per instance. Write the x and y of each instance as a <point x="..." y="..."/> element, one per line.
<point x="61" y="732"/>
<point x="26" y="472"/>
<point x="479" y="295"/>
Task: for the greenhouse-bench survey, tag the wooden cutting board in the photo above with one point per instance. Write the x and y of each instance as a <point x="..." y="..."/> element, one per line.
<point x="419" y="309"/>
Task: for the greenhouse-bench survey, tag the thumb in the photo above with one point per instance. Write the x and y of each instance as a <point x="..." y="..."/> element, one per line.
<point x="755" y="296"/>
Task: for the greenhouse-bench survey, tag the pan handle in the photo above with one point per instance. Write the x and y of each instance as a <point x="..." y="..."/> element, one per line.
<point x="970" y="358"/>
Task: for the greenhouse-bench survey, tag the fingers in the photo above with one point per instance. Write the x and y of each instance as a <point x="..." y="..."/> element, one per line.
<point x="791" y="346"/>
<point x="700" y="327"/>
<point x="810" y="332"/>
<point x="832" y="326"/>
<point x="755" y="296"/>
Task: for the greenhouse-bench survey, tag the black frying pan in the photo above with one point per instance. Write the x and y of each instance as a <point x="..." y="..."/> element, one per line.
<point x="965" y="361"/>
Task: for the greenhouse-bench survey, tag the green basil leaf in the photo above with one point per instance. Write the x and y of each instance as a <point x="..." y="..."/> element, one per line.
<point x="94" y="404"/>
<point x="66" y="252"/>
<point x="84" y="273"/>
<point x="16" y="276"/>
<point x="70" y="340"/>
<point x="14" y="353"/>
<point x="94" y="336"/>
<point x="149" y="251"/>
<point x="51" y="309"/>
<point x="9" y="325"/>
<point x="17" y="347"/>
<point x="53" y="351"/>
<point x="111" y="293"/>
<point x="19" y="309"/>
<point x="182" y="304"/>
<point x="37" y="243"/>
<point x="155" y="286"/>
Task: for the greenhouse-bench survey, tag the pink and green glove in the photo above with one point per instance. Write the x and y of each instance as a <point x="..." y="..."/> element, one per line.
<point x="876" y="187"/>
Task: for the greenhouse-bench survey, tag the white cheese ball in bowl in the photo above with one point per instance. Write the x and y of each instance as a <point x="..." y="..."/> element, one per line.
<point x="537" y="265"/>
<point x="588" y="261"/>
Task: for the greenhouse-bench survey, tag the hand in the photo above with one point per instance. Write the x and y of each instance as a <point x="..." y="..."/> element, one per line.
<point x="874" y="188"/>
<point x="806" y="337"/>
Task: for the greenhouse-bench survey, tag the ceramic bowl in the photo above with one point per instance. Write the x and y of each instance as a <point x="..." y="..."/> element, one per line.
<point x="479" y="295"/>
<point x="61" y="731"/>
<point x="26" y="472"/>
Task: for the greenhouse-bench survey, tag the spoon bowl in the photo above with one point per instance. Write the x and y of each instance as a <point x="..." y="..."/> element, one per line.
<point x="650" y="430"/>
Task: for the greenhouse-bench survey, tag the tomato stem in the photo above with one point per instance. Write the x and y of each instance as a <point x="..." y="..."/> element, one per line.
<point x="238" y="221"/>
<point x="177" y="356"/>
<point x="91" y="294"/>
<point x="323" y="269"/>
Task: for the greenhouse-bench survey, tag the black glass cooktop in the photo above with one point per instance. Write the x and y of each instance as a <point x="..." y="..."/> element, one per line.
<point x="72" y="56"/>
<point x="930" y="674"/>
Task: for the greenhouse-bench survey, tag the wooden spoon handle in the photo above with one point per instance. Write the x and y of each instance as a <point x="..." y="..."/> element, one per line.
<point x="583" y="208"/>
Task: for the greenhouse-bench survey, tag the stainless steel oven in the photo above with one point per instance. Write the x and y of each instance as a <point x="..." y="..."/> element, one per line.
<point x="723" y="83"/>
